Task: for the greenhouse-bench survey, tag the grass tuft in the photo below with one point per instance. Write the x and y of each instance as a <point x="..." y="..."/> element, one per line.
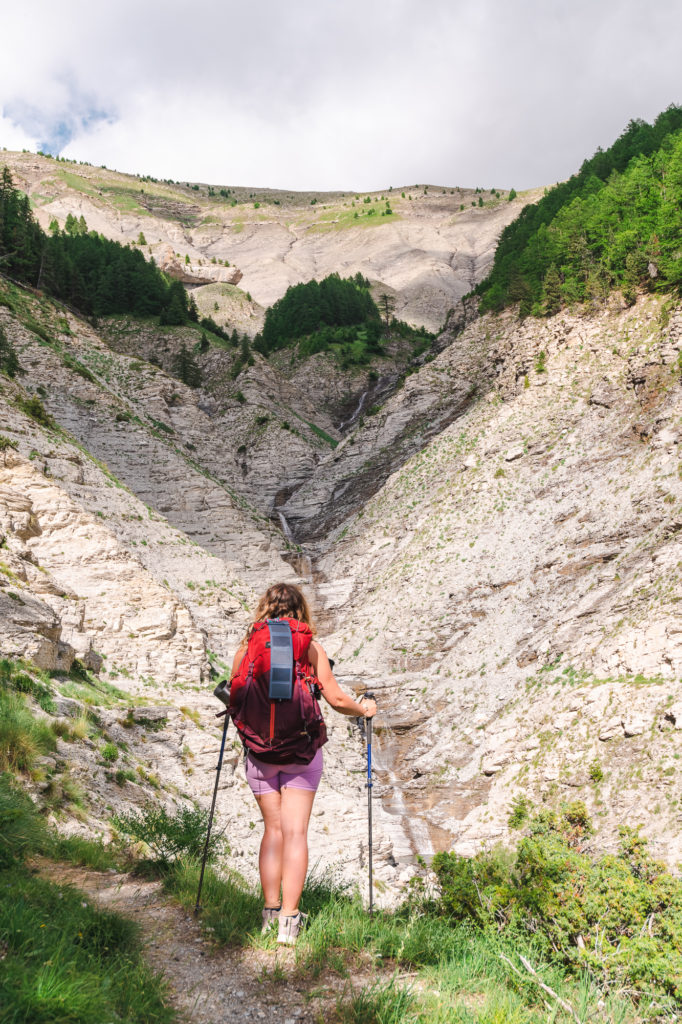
<point x="23" y="738"/>
<point x="231" y="908"/>
<point x="61" y="959"/>
<point x="24" y="678"/>
<point x="380" y="1003"/>
<point x="89" y="853"/>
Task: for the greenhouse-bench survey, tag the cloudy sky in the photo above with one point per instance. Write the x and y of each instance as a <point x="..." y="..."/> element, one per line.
<point x="327" y="94"/>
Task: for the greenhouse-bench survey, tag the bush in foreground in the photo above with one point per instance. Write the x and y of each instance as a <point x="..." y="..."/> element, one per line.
<point x="617" y="916"/>
<point x="170" y="836"/>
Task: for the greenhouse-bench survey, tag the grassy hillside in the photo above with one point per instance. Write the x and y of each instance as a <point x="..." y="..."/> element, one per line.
<point x="614" y="224"/>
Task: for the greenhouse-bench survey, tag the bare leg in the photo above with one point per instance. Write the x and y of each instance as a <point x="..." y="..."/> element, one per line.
<point x="295" y="815"/>
<point x="270" y="859"/>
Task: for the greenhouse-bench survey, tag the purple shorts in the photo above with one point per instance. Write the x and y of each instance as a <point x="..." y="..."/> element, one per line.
<point x="271" y="778"/>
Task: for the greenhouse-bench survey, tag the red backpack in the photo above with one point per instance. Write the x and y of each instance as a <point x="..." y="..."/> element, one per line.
<point x="277" y="731"/>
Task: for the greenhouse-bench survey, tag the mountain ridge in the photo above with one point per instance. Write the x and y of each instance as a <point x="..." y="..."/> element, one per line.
<point x="432" y="248"/>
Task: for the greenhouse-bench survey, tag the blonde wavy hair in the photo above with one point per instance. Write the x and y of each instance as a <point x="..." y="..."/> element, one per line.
<point x="281" y="601"/>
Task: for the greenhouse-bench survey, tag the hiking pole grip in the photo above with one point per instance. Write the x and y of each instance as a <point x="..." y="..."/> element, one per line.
<point x="226" y="716"/>
<point x="368" y="725"/>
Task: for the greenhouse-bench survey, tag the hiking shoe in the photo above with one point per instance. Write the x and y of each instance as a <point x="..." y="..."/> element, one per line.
<point x="270" y="916"/>
<point x="290" y="928"/>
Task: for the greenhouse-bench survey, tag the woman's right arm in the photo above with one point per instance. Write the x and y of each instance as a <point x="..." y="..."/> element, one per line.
<point x="332" y="692"/>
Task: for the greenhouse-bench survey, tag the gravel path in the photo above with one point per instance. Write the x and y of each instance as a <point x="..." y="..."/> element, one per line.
<point x="207" y="985"/>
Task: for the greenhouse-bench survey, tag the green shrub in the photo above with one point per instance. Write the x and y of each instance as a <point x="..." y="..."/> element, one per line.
<point x="64" y="792"/>
<point x="617" y="917"/>
<point x="124" y="775"/>
<point x="138" y="718"/>
<point x="76" y="367"/>
<point x="520" y="806"/>
<point x="34" y="408"/>
<point x="170" y="836"/>
<point x="109" y="752"/>
<point x="9" y="362"/>
<point x="61" y="727"/>
<point x="160" y="425"/>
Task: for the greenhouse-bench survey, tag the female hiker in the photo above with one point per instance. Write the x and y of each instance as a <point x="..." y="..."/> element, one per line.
<point x="283" y="739"/>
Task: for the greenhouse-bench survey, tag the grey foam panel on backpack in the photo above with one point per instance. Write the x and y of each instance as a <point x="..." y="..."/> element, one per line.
<point x="281" y="660"/>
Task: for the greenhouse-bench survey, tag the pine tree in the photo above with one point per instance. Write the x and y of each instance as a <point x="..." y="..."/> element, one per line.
<point x="9" y="362"/>
<point x="387" y="308"/>
<point x="551" y="292"/>
<point x="186" y="369"/>
<point x="175" y="312"/>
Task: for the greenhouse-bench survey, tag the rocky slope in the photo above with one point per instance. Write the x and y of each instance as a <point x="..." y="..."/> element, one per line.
<point x="513" y="590"/>
<point x="435" y="245"/>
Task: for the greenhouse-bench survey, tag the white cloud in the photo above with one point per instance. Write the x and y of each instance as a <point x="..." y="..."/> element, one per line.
<point x="14" y="137"/>
<point x="356" y="95"/>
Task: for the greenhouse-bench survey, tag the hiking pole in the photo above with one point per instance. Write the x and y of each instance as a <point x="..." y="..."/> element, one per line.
<point x="223" y="694"/>
<point x="368" y="733"/>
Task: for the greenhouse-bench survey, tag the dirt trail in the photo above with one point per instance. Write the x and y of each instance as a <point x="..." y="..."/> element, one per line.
<point x="207" y="985"/>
